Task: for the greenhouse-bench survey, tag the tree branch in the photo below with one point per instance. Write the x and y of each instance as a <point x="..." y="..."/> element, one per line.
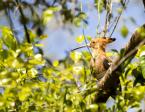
<point x="109" y="82"/>
<point x="118" y="18"/>
<point x="137" y="39"/>
<point x="8" y="14"/>
<point x="24" y="24"/>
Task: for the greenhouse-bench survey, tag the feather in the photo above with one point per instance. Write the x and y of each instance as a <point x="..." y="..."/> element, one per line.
<point x="106" y="64"/>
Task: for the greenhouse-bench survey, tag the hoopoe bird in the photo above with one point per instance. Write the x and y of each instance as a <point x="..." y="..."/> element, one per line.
<point x="99" y="61"/>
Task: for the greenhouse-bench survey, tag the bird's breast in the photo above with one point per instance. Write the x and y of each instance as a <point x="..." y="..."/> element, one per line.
<point x="99" y="64"/>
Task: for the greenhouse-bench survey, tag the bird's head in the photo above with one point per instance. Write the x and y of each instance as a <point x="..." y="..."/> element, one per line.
<point x="100" y="42"/>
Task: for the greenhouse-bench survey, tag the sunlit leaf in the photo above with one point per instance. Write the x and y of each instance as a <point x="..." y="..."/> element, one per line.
<point x="39" y="45"/>
<point x="124" y="31"/>
<point x="142" y="64"/>
<point x="82" y="15"/>
<point x="32" y="35"/>
<point x="139" y="92"/>
<point x="141" y="31"/>
<point x="75" y="56"/>
<point x="14" y="75"/>
<point x="43" y="36"/>
<point x="141" y="51"/>
<point x="77" y="21"/>
<point x="55" y="63"/>
<point x="8" y="38"/>
<point x="93" y="106"/>
<point x="119" y="10"/>
<point x="77" y="69"/>
<point x="49" y="13"/>
<point x="32" y="72"/>
<point x="55" y="8"/>
<point x="47" y="16"/>
<point x="99" y="5"/>
<point x="80" y="39"/>
<point x="24" y="93"/>
<point x="89" y="38"/>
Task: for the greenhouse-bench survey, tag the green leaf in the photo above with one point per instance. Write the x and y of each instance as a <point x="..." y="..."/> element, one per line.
<point x="141" y="31"/>
<point x="1" y="44"/>
<point x="99" y="5"/>
<point x="8" y="38"/>
<point x="24" y="93"/>
<point x="119" y="10"/>
<point x="55" y="63"/>
<point x="89" y="38"/>
<point x="43" y="36"/>
<point x="32" y="72"/>
<point x="75" y="56"/>
<point x="139" y="92"/>
<point x="124" y="31"/>
<point x="39" y="45"/>
<point x="82" y="15"/>
<point x="80" y="39"/>
<point x="93" y="107"/>
<point x="77" y="21"/>
<point x="14" y="75"/>
<point x="141" y="51"/>
<point x="77" y="69"/>
<point x="32" y="35"/>
<point x="79" y="18"/>
<point x="3" y="54"/>
<point x="142" y="64"/>
<point x="48" y="14"/>
<point x="55" y="8"/>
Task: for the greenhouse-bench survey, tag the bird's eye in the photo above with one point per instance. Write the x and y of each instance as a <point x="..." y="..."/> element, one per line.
<point x="93" y="42"/>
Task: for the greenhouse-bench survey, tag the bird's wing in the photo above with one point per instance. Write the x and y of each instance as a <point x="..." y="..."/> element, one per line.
<point x="106" y="64"/>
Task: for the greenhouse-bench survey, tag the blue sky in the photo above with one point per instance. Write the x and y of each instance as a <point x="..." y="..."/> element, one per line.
<point x="61" y="39"/>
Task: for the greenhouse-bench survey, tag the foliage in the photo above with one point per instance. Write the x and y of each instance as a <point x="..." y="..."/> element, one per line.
<point x="30" y="82"/>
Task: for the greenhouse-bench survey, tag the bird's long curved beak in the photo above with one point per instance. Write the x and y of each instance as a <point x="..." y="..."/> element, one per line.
<point x="87" y="45"/>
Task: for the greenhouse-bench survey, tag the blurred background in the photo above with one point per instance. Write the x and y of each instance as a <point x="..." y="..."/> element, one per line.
<point x="63" y="27"/>
<point x="63" y="38"/>
<point x="37" y="71"/>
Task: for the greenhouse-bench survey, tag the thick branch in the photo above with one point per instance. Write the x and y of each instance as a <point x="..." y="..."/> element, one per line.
<point x="111" y="76"/>
<point x="110" y="81"/>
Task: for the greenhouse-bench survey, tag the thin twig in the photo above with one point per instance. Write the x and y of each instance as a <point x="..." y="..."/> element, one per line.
<point x="24" y="25"/>
<point x="108" y="16"/>
<point x="79" y="47"/>
<point x="53" y="3"/>
<point x="118" y="19"/>
<point x="84" y="33"/>
<point x="112" y="22"/>
<point x="98" y="16"/>
<point x="87" y="44"/>
<point x="11" y="23"/>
